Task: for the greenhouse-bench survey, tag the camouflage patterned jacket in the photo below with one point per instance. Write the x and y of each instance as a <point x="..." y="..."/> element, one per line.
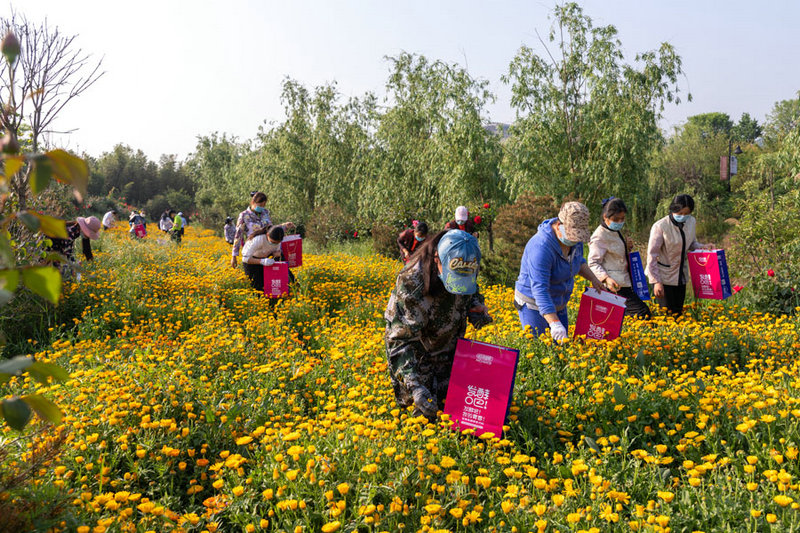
<point x="418" y="327"/>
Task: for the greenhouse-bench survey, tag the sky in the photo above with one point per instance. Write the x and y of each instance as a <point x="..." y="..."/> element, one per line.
<point x="178" y="69"/>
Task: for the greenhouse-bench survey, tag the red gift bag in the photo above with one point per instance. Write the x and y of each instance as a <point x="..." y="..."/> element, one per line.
<point x="600" y="315"/>
<point x="276" y="280"/>
<point x="292" y="250"/>
<point x="709" y="272"/>
<point x="481" y="386"/>
<point x="140" y="231"/>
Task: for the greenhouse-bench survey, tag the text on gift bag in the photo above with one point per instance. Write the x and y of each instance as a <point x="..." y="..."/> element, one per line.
<point x="481" y="386"/>
<point x="600" y="315"/>
<point x="709" y="272"/>
<point x="292" y="250"/>
<point x="638" y="280"/>
<point x="276" y="280"/>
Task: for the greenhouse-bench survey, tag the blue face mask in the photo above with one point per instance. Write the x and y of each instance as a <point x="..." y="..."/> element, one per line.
<point x="615" y="226"/>
<point x="258" y="209"/>
<point x="680" y="219"/>
<point x="419" y="239"/>
<point x="567" y="242"/>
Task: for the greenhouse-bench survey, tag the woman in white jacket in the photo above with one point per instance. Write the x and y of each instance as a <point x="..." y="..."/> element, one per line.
<point x="671" y="238"/>
<point x="608" y="257"/>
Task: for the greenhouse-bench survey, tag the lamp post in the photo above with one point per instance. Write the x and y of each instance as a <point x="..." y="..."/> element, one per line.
<point x="736" y="152"/>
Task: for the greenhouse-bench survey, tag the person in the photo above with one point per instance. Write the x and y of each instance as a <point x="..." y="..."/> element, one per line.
<point x="435" y="294"/>
<point x="110" y="219"/>
<point x="608" y="257"/>
<point x="165" y="223"/>
<point x="88" y="229"/>
<point x="411" y="239"/>
<point x="229" y="230"/>
<point x="253" y="221"/>
<point x="138" y="224"/>
<point x="176" y="232"/>
<point x="552" y="258"/>
<point x="462" y="221"/>
<point x="671" y="238"/>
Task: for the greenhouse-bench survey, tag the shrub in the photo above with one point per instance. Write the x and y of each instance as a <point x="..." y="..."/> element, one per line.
<point x="384" y="239"/>
<point x="767" y="239"/>
<point x="514" y="226"/>
<point x="328" y="224"/>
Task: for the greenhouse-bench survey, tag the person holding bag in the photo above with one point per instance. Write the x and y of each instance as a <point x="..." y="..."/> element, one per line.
<point x="671" y="238"/>
<point x="550" y="262"/>
<point x="609" y="257"/>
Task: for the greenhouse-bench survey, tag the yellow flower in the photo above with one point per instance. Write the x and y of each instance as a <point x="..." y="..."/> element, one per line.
<point x="447" y="462"/>
<point x="343" y="488"/>
<point x="238" y="491"/>
<point x="666" y="495"/>
<point x="241" y="441"/>
<point x="782" y="500"/>
<point x="330" y="527"/>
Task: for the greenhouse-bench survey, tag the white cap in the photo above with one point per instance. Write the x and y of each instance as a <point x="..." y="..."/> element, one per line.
<point x="462" y="213"/>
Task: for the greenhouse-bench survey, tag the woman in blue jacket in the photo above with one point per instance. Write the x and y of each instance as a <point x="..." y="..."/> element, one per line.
<point x="552" y="258"/>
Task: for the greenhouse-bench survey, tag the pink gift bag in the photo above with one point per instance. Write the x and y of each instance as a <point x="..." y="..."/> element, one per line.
<point x="276" y="280"/>
<point x="709" y="272"/>
<point x="481" y="386"/>
<point x="292" y="250"/>
<point x="600" y="315"/>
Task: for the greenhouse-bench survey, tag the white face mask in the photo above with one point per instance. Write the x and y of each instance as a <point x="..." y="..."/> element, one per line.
<point x="460" y="222"/>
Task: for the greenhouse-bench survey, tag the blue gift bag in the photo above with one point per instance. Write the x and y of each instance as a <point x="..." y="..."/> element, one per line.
<point x="638" y="281"/>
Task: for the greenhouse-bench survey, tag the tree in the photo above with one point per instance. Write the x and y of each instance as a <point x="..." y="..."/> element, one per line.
<point x="433" y="150"/>
<point x="784" y="118"/>
<point x="51" y="71"/>
<point x="586" y="120"/>
<point x="747" y="130"/>
<point x="711" y="124"/>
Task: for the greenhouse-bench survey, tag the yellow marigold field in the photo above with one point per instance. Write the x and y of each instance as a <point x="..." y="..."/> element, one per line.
<point x="195" y="405"/>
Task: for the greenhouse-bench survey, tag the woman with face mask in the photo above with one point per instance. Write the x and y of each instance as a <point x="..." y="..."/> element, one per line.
<point x="462" y="221"/>
<point x="670" y="240"/>
<point x="411" y="240"/>
<point x="550" y="262"/>
<point x="608" y="257"/>
<point x="435" y="295"/>
<point x="252" y="222"/>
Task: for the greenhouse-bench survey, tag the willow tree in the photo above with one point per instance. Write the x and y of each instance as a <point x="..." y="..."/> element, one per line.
<point x="587" y="121"/>
<point x="432" y="147"/>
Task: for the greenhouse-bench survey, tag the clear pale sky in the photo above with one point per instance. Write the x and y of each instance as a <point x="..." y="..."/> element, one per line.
<point x="176" y="69"/>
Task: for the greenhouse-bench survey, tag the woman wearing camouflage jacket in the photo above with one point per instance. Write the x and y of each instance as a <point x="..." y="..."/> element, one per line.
<point x="434" y="297"/>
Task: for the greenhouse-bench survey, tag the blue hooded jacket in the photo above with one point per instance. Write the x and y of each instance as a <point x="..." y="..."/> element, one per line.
<point x="545" y="275"/>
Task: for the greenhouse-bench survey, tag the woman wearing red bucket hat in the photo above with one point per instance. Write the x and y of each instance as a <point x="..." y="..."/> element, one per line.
<point x="86" y="228"/>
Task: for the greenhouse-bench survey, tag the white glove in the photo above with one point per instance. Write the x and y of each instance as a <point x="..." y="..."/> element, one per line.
<point x="267" y="261"/>
<point x="558" y="331"/>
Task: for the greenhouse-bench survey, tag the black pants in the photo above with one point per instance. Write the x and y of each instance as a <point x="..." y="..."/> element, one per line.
<point x="256" y="275"/>
<point x="634" y="306"/>
<point x="674" y="297"/>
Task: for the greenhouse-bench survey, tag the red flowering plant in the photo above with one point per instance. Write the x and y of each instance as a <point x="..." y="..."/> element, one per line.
<point x="774" y="290"/>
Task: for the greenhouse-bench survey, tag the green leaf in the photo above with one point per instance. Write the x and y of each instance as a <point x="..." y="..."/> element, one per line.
<point x="619" y="395"/>
<point x="592" y="444"/>
<point x="16" y="412"/>
<point x="701" y="386"/>
<point x="6" y="251"/>
<point x="41" y="371"/>
<point x="9" y="280"/>
<point x="71" y="169"/>
<point x="44" y="281"/>
<point x="13" y="163"/>
<point x="642" y="359"/>
<point x="41" y="172"/>
<point x="44" y="408"/>
<point x="29" y="220"/>
<point x="51" y="226"/>
<point x="15" y="365"/>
